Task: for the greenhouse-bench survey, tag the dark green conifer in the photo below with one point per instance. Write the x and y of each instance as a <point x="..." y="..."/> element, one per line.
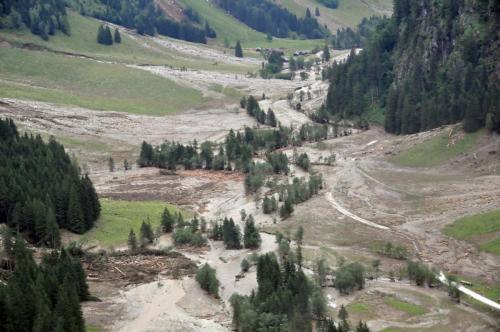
<point x="76" y="222"/>
<point x="167" y="221"/>
<point x="238" y="51"/>
<point x="132" y="241"/>
<point x="251" y="237"/>
<point x="117" y="36"/>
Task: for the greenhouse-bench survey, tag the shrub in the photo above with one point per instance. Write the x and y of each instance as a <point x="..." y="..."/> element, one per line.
<point x="186" y="235"/>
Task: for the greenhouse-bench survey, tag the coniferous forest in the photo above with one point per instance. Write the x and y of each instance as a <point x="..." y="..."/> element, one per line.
<point x="41" y="297"/>
<point x="144" y="16"/>
<point x="41" y="190"/>
<point x="266" y="16"/>
<point x="429" y="65"/>
<point x="42" y="17"/>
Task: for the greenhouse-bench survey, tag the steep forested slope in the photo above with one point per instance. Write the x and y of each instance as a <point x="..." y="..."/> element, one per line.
<point x="265" y="16"/>
<point x="41" y="189"/>
<point x="42" y="17"/>
<point x="432" y="63"/>
<point x="41" y="297"/>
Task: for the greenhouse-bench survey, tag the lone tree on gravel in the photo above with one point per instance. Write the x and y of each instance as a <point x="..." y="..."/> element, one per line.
<point x="238" y="51"/>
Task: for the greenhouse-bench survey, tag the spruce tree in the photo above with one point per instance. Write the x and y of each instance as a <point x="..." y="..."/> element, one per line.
<point x="53" y="238"/>
<point x="271" y="118"/>
<point x="167" y="221"/>
<point x="108" y="36"/>
<point x="146" y="235"/>
<point x="326" y="53"/>
<point x="343" y="316"/>
<point x="286" y="209"/>
<point x="75" y="213"/>
<point x="68" y="308"/>
<point x="238" y="51"/>
<point x="117" y="36"/>
<point x="132" y="241"/>
<point x="251" y="237"/>
<point x="43" y="320"/>
<point x="111" y="164"/>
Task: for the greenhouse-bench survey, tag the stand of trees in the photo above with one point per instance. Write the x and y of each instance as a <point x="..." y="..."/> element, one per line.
<point x="145" y="17"/>
<point x="278" y="161"/>
<point x="286" y="299"/>
<point x="267" y="17"/>
<point x="41" y="190"/>
<point x="273" y="66"/>
<point x="290" y="194"/>
<point x="42" y="297"/>
<point x="418" y="85"/>
<point x="282" y="301"/>
<point x="42" y="17"/>
<point x="349" y="277"/>
<point x="104" y="36"/>
<point x="238" y="148"/>
<point x="347" y="38"/>
<point x="207" y="279"/>
<point x="303" y="161"/>
<point x="230" y="234"/>
<point x="253" y="109"/>
<point x="188" y="233"/>
<point x="422" y="274"/>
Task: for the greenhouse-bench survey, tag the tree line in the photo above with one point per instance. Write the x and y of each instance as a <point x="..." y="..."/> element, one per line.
<point x="44" y="296"/>
<point x="42" y="17"/>
<point x="41" y="189"/>
<point x="238" y="149"/>
<point x="267" y="17"/>
<point x="421" y="87"/>
<point x="145" y="17"/>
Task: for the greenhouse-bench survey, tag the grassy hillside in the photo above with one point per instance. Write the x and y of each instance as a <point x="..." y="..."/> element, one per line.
<point x="348" y="14"/>
<point x="481" y="230"/>
<point x="30" y="70"/>
<point x="48" y="77"/>
<point x="133" y="50"/>
<point x="435" y="151"/>
<point x="231" y="29"/>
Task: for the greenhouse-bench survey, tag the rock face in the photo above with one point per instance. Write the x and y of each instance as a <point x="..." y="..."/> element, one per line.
<point x="430" y="34"/>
